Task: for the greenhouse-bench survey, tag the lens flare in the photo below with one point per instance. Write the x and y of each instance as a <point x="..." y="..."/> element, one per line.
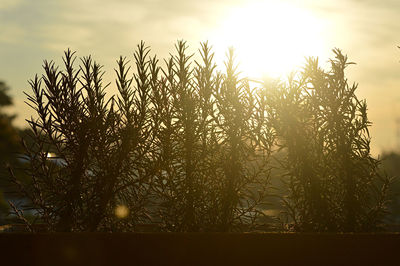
<point x="121" y="211"/>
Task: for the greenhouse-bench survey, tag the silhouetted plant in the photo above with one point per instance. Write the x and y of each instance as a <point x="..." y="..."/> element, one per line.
<point x="334" y="183"/>
<point x="195" y="128"/>
<point x="166" y="148"/>
<point x="178" y="137"/>
<point x="97" y="145"/>
<point x="188" y="148"/>
<point x="245" y="174"/>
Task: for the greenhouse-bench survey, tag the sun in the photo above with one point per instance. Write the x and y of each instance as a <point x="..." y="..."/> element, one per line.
<point x="271" y="38"/>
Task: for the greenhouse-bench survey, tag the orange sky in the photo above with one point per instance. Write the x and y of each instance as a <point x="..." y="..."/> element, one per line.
<point x="271" y="37"/>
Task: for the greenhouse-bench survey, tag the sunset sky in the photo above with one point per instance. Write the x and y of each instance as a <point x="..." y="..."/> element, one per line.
<point x="271" y="38"/>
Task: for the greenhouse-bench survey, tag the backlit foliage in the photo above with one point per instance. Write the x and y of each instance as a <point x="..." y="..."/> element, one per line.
<point x="184" y="147"/>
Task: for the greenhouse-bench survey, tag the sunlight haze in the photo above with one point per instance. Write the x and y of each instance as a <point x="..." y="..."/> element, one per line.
<point x="271" y="38"/>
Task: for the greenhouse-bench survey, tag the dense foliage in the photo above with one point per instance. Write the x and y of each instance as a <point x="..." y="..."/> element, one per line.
<point x="334" y="184"/>
<point x="187" y="148"/>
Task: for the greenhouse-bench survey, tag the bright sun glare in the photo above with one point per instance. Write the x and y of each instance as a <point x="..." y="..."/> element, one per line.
<point x="271" y="38"/>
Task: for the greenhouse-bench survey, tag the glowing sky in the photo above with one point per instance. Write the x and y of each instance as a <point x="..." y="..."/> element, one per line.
<point x="272" y="34"/>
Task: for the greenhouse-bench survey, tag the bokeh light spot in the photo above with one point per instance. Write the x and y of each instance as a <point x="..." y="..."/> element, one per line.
<point x="121" y="211"/>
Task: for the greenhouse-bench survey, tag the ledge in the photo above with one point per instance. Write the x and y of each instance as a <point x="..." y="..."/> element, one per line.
<point x="198" y="249"/>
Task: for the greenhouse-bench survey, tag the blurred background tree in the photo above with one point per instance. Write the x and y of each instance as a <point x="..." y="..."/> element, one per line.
<point x="391" y="166"/>
<point x="9" y="144"/>
<point x="10" y="152"/>
<point x="9" y="140"/>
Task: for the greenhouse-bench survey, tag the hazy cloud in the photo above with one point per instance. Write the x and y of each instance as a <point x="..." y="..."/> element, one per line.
<point x="11" y="33"/>
<point x="8" y="4"/>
